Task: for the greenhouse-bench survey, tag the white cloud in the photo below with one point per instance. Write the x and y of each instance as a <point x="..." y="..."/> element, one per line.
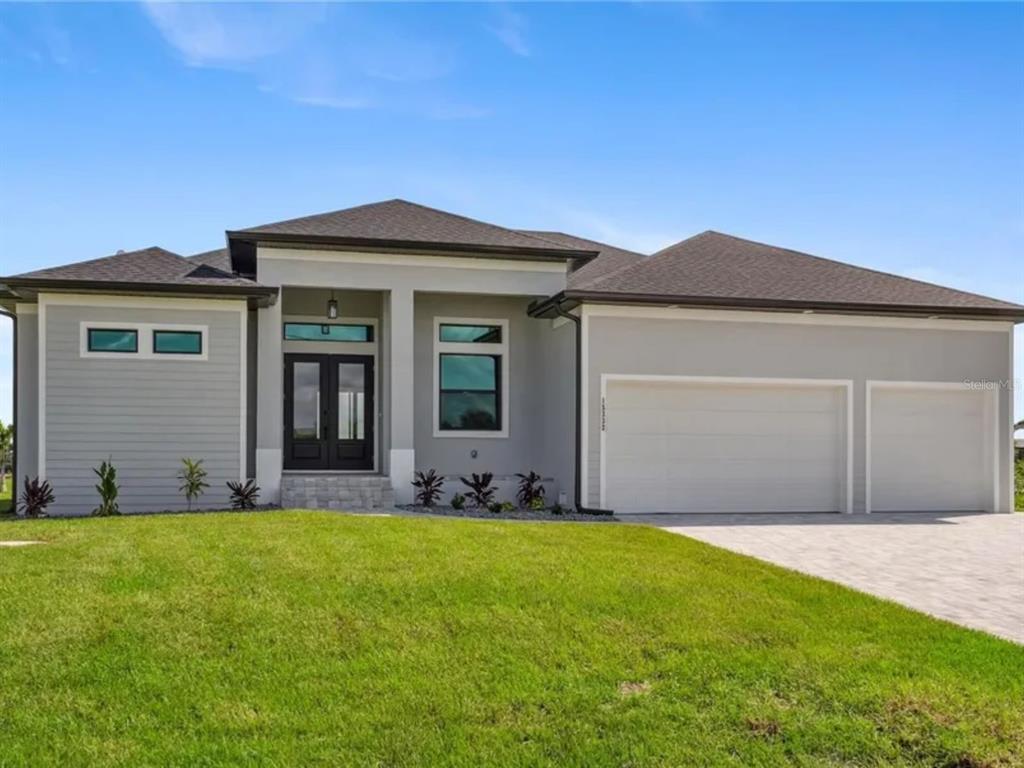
<point x="329" y="56"/>
<point x="510" y="28"/>
<point x="230" y="33"/>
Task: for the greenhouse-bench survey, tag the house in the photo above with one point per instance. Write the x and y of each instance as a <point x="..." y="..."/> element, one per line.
<point x="330" y="356"/>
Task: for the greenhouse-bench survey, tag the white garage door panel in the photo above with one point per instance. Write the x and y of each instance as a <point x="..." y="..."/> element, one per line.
<point x="683" y="446"/>
<point x="931" y="449"/>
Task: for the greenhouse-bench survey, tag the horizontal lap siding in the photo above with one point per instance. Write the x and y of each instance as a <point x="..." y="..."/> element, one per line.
<point x="145" y="415"/>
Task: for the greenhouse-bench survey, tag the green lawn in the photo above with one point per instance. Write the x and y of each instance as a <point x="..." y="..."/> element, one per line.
<point x="301" y="638"/>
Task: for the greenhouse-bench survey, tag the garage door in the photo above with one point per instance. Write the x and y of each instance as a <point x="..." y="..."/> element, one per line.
<point x="674" y="445"/>
<point x="931" y="449"/>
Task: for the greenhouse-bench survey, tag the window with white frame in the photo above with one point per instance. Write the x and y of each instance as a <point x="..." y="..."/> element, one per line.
<point x="151" y="341"/>
<point x="470" y="377"/>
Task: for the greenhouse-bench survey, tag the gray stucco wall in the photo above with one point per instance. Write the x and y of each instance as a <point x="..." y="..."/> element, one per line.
<point x="27" y="417"/>
<point x="143" y="414"/>
<point x="531" y="355"/>
<point x="768" y="349"/>
<point x="557" y="383"/>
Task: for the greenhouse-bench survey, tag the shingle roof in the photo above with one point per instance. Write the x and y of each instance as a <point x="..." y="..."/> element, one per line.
<point x="218" y="258"/>
<point x="609" y="259"/>
<point x="147" y="266"/>
<point x="405" y="222"/>
<point x="721" y="269"/>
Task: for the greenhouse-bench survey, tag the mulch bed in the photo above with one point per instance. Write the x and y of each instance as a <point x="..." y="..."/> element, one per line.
<point x="515" y="514"/>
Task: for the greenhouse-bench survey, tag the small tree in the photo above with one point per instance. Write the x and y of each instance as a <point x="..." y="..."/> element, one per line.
<point x="6" y="454"/>
<point x="107" y="488"/>
<point x="193" y="479"/>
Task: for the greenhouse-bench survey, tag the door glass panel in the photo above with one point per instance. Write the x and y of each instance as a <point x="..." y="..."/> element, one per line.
<point x="351" y="399"/>
<point x="306" y="401"/>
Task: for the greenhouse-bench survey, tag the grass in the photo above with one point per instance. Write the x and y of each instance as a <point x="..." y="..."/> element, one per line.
<point x="299" y="638"/>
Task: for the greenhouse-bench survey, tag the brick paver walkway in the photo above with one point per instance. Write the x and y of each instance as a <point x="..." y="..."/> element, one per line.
<point x="964" y="568"/>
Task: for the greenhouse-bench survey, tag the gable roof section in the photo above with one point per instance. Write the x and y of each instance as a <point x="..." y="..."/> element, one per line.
<point x="401" y="225"/>
<point x="609" y="258"/>
<point x="151" y="269"/>
<point x="714" y="269"/>
<point x="218" y="258"/>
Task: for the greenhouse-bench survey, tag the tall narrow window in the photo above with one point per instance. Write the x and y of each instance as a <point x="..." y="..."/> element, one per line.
<point x="471" y="359"/>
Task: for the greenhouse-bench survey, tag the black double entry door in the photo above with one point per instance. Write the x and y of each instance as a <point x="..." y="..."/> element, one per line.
<point x="328" y="412"/>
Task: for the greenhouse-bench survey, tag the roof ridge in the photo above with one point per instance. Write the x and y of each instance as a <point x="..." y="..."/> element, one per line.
<point x="547" y="243"/>
<point x="322" y="213"/>
<point x="846" y="264"/>
<point x="104" y="258"/>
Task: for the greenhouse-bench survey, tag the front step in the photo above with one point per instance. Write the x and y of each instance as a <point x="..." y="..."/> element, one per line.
<point x="319" y="490"/>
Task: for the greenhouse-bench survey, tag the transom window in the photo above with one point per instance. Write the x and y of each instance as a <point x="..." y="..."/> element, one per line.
<point x="178" y="342"/>
<point x="470" y="334"/>
<point x="124" y="340"/>
<point x="328" y="332"/>
<point x="470" y="378"/>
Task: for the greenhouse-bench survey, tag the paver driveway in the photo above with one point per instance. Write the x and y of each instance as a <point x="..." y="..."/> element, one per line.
<point x="967" y="568"/>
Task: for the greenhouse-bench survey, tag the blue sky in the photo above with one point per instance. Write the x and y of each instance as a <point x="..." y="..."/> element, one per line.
<point x="890" y="136"/>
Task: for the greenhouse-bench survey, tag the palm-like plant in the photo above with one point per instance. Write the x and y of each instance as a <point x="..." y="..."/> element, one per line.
<point x="481" y="492"/>
<point x="429" y="484"/>
<point x="531" y="492"/>
<point x="244" y="496"/>
<point x="193" y="479"/>
<point x="35" y="498"/>
<point x="107" y="488"/>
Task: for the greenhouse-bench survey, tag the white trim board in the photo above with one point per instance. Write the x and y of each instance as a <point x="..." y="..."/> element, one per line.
<point x="992" y="425"/>
<point x="243" y="393"/>
<point x="844" y="384"/>
<point x="794" y="318"/>
<point x="41" y="370"/>
<point x="269" y="253"/>
<point x="137" y="302"/>
<point x="471" y="348"/>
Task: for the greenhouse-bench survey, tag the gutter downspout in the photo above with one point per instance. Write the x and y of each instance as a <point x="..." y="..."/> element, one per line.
<point x="14" y="405"/>
<point x="577" y="490"/>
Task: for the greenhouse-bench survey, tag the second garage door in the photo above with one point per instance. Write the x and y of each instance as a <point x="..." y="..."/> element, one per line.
<point x="672" y="445"/>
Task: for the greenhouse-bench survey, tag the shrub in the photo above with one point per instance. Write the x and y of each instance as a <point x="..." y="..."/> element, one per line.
<point x="1019" y="484"/>
<point x="537" y="504"/>
<point x="502" y="506"/>
<point x="458" y="501"/>
<point x="481" y="492"/>
<point x="36" y="497"/>
<point x="107" y="488"/>
<point x="558" y="509"/>
<point x="243" y="495"/>
<point x="530" y="489"/>
<point x="193" y="479"/>
<point x="429" y="484"/>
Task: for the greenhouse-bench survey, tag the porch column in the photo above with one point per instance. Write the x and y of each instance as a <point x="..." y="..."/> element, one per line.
<point x="269" y="408"/>
<point x="401" y="458"/>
